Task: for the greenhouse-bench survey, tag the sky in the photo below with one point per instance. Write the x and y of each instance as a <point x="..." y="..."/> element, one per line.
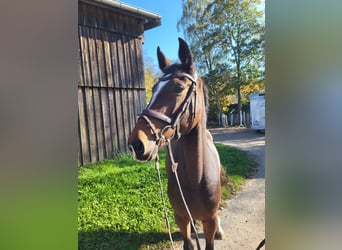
<point x="166" y="35"/>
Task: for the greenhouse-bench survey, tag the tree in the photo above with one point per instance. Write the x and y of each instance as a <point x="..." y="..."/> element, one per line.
<point x="240" y="29"/>
<point x="198" y="30"/>
<point x="216" y="81"/>
<point x="227" y="41"/>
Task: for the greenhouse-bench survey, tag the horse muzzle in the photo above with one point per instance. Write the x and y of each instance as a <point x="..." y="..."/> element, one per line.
<point x="143" y="151"/>
<point x="147" y="137"/>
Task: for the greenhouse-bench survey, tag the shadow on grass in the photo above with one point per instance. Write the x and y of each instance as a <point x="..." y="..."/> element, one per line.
<point x="107" y="239"/>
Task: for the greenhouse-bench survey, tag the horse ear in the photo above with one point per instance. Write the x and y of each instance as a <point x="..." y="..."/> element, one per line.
<point x="162" y="60"/>
<point x="185" y="56"/>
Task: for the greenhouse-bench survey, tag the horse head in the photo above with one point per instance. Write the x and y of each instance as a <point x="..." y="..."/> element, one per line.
<point x="175" y="107"/>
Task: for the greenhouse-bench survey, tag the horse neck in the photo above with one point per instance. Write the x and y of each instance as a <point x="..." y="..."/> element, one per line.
<point x="194" y="153"/>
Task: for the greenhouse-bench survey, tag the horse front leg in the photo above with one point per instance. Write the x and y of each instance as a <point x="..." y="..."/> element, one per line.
<point x="184" y="226"/>
<point x="209" y="229"/>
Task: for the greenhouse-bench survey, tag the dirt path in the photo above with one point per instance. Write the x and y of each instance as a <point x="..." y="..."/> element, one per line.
<point x="243" y="217"/>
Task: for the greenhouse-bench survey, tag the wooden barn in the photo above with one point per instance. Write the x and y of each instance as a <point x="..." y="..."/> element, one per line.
<point x="111" y="87"/>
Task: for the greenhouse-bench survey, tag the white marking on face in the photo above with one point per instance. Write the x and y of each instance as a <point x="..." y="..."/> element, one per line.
<point x="160" y="86"/>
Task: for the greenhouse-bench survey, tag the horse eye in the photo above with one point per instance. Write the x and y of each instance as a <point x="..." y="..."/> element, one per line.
<point x="178" y="88"/>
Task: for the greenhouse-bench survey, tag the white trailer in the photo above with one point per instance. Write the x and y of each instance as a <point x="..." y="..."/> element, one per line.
<point x="257" y="108"/>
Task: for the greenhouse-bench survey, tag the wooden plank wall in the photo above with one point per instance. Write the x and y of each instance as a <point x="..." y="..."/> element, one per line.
<point x="111" y="88"/>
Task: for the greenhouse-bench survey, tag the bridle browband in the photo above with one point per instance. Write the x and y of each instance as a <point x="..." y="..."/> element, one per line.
<point x="172" y="122"/>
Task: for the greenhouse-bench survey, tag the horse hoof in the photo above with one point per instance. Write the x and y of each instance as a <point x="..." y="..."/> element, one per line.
<point x="219" y="235"/>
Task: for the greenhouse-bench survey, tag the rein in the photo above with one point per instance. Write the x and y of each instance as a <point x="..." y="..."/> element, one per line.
<point x="163" y="200"/>
<point x="172" y="122"/>
<point x="174" y="170"/>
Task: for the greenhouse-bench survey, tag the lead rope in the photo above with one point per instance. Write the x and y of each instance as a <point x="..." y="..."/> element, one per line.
<point x="164" y="205"/>
<point x="174" y="169"/>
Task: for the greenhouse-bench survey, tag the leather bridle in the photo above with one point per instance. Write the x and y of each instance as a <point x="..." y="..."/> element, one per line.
<point x="172" y="122"/>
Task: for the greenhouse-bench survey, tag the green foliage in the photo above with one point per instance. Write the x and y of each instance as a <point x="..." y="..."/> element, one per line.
<point x="237" y="164"/>
<point x="216" y="81"/>
<point x="119" y="203"/>
<point x="227" y="41"/>
<point x="199" y="31"/>
<point x="235" y="161"/>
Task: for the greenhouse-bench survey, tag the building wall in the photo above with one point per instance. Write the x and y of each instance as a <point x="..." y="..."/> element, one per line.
<point x="111" y="87"/>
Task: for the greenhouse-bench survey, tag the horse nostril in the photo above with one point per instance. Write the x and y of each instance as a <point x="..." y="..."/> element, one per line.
<point x="137" y="147"/>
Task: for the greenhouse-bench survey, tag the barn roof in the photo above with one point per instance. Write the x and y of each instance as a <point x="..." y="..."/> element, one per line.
<point x="150" y="19"/>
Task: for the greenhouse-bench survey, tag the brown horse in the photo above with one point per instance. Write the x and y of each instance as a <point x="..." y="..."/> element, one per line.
<point x="176" y="114"/>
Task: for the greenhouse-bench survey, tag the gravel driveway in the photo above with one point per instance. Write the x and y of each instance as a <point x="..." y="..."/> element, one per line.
<point x="243" y="217"/>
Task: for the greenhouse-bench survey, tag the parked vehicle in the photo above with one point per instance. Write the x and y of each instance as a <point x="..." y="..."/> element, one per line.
<point x="257" y="109"/>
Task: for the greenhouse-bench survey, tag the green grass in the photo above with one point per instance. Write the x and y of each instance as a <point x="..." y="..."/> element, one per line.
<point x="119" y="204"/>
<point x="237" y="165"/>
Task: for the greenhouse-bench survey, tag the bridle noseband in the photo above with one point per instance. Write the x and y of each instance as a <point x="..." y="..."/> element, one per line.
<point x="174" y="121"/>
